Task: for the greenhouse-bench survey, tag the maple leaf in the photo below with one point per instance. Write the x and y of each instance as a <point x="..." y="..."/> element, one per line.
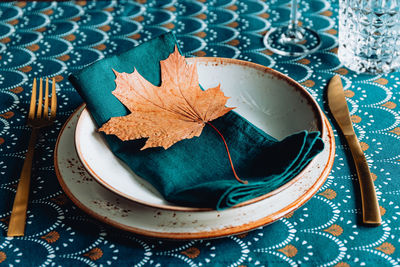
<point x="177" y="110"/>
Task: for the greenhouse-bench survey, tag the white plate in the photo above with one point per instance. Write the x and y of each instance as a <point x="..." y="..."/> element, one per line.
<point x="110" y="208"/>
<point x="270" y="100"/>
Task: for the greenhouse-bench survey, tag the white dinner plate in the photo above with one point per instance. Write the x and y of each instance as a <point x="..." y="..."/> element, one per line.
<point x="268" y="99"/>
<point x="122" y="213"/>
<point x="271" y="101"/>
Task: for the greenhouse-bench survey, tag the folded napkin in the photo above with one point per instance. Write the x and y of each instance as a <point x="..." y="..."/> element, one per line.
<point x="195" y="172"/>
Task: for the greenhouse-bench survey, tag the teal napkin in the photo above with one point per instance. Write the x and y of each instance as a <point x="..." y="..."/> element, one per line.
<point x="195" y="172"/>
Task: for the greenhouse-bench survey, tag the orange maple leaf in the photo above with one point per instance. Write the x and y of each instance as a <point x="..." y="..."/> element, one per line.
<point x="177" y="110"/>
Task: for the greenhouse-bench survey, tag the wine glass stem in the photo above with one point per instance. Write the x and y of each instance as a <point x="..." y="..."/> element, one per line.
<point x="293" y="33"/>
<point x="292" y="39"/>
<point x="293" y="16"/>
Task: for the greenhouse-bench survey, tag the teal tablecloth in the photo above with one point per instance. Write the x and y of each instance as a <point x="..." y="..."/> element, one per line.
<point x="55" y="39"/>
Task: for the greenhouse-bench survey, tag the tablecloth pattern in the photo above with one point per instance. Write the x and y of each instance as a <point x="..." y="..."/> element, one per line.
<point x="56" y="38"/>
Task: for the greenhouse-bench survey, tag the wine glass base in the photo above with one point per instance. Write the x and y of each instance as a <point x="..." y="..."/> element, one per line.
<point x="292" y="42"/>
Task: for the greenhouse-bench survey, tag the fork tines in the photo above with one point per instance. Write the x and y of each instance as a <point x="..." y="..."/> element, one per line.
<point x="43" y="106"/>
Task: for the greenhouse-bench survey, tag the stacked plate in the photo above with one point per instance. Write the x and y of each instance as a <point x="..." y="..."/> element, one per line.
<point x="104" y="187"/>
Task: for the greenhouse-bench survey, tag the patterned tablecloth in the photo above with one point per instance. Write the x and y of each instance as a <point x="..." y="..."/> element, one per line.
<point x="54" y="39"/>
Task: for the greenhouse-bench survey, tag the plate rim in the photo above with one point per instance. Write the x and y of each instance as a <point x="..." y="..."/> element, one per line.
<point x="204" y="234"/>
<point x="216" y="60"/>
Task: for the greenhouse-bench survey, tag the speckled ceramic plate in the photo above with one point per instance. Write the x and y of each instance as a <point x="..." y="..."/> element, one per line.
<point x="270" y="100"/>
<point x="122" y="213"/>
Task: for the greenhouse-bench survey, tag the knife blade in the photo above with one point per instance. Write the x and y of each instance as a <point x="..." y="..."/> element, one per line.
<point x="340" y="111"/>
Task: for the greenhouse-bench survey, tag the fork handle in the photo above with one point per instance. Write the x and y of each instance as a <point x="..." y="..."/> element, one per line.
<point x="369" y="201"/>
<point x="17" y="223"/>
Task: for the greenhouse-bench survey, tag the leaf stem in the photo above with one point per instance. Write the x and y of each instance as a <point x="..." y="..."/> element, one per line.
<point x="229" y="154"/>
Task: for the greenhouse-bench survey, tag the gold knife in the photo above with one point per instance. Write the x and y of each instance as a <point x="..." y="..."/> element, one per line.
<point x="338" y="106"/>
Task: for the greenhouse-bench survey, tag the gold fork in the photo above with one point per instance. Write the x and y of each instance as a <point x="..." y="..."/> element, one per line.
<point x="38" y="117"/>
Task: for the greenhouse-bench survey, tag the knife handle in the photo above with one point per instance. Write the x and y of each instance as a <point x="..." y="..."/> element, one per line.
<point x="370" y="206"/>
